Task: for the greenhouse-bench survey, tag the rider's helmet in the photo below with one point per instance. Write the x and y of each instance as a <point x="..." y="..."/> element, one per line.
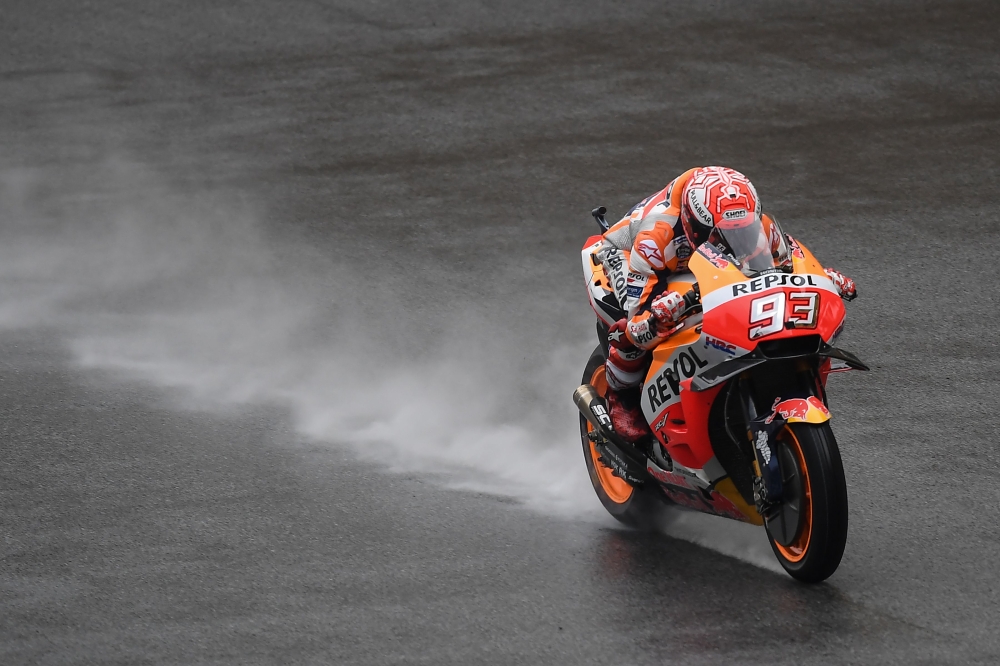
<point x="720" y="205"/>
<point x="717" y="196"/>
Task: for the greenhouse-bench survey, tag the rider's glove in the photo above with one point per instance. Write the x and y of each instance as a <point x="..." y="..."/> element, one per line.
<point x="667" y="309"/>
<point x="845" y="285"/>
<point x="618" y="336"/>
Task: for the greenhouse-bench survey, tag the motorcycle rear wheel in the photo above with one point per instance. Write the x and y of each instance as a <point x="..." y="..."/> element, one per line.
<point x="632" y="506"/>
<point x="810" y="542"/>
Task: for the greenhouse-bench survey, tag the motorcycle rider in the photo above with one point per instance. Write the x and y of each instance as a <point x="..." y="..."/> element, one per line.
<point x="654" y="240"/>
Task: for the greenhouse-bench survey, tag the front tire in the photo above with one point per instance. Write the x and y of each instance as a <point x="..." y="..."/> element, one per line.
<point x="635" y="507"/>
<point x="809" y="532"/>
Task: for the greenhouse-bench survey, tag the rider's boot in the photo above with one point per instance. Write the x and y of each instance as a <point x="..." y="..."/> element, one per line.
<point x="626" y="414"/>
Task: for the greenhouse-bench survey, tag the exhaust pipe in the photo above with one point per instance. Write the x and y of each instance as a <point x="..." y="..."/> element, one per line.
<point x="628" y="463"/>
<point x="594" y="409"/>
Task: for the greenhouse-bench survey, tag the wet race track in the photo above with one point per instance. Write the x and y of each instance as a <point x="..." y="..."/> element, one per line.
<point x="291" y="311"/>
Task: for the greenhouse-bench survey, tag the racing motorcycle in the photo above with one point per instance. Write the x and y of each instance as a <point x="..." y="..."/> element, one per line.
<point x="735" y="397"/>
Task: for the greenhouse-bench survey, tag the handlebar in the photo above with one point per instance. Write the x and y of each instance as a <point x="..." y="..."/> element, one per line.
<point x="693" y="297"/>
<point x="692" y="300"/>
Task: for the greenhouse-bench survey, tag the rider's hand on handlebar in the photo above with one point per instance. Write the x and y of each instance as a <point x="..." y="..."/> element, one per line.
<point x="667" y="309"/>
<point x="845" y="285"/>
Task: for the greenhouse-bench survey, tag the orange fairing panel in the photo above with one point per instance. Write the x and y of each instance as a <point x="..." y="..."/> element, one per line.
<point x="727" y="489"/>
<point x="712" y="277"/>
<point x="684" y="431"/>
<point x="803" y="260"/>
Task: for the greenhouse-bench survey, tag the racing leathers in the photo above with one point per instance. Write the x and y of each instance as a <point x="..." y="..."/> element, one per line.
<point x="649" y="245"/>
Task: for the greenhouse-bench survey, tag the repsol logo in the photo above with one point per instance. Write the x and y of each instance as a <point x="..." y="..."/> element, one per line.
<point x="668" y="383"/>
<point x="614" y="260"/>
<point x="618" y="282"/>
<point x="765" y="282"/>
<point x="619" y="286"/>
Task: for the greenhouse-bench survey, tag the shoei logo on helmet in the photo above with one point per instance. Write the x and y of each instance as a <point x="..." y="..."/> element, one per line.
<point x="652" y="254"/>
<point x="735" y="214"/>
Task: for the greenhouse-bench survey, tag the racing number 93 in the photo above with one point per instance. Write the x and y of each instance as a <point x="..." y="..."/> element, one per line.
<point x="768" y="314"/>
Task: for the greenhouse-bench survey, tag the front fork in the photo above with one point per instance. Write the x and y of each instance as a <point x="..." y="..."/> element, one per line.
<point x="805" y="405"/>
<point x="760" y="431"/>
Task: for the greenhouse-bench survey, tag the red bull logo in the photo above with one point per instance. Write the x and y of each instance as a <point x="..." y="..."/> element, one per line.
<point x="713" y="255"/>
<point x="808" y="410"/>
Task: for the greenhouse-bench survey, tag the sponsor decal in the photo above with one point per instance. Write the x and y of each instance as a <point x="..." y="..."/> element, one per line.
<point x="610" y="458"/>
<point x="796" y="248"/>
<point x="670" y="478"/>
<point x="718" y="259"/>
<point x="698" y="208"/>
<point x="616" y="335"/>
<point x="774" y="412"/>
<point x="616" y="264"/>
<point x="735" y="214"/>
<point x="639" y="332"/>
<point x="651" y="253"/>
<point x="662" y="422"/>
<point x="721" y="345"/>
<point x="602" y="415"/>
<point x="613" y="258"/>
<point x="795" y="408"/>
<point x="682" y="249"/>
<point x="761" y="445"/>
<point x="635" y="283"/>
<point x="712" y="502"/>
<point x="667" y="384"/>
<point x="765" y="282"/>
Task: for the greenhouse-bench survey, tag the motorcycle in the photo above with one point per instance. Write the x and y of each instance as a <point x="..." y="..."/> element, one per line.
<point x="735" y="397"/>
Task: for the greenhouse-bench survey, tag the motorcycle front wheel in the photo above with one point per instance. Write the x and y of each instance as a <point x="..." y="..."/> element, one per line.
<point x="808" y="533"/>
<point x="632" y="506"/>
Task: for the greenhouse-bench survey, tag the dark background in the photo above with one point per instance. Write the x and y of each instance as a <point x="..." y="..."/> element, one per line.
<point x="228" y="230"/>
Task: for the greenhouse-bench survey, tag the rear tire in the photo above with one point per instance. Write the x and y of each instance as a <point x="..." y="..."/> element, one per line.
<point x="811" y="548"/>
<point x="635" y="507"/>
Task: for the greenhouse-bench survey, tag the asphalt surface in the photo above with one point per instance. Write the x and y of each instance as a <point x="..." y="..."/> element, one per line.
<point x="199" y="203"/>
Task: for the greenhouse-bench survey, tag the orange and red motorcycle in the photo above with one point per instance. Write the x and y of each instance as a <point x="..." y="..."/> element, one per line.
<point x="735" y="398"/>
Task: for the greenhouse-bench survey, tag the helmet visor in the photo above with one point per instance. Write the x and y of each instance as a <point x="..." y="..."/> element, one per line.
<point x="755" y="247"/>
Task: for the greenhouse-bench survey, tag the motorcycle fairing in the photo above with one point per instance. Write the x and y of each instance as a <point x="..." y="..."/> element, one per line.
<point x="809" y="301"/>
<point x="722" y="500"/>
<point x="599" y="287"/>
<point x="698" y="480"/>
<point x="678" y="415"/>
<point x="669" y="401"/>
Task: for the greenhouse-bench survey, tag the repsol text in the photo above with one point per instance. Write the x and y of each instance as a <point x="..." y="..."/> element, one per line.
<point x="765" y="282"/>
<point x="668" y="383"/>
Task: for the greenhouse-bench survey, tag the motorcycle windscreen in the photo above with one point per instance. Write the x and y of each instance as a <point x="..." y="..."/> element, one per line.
<point x="756" y="243"/>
